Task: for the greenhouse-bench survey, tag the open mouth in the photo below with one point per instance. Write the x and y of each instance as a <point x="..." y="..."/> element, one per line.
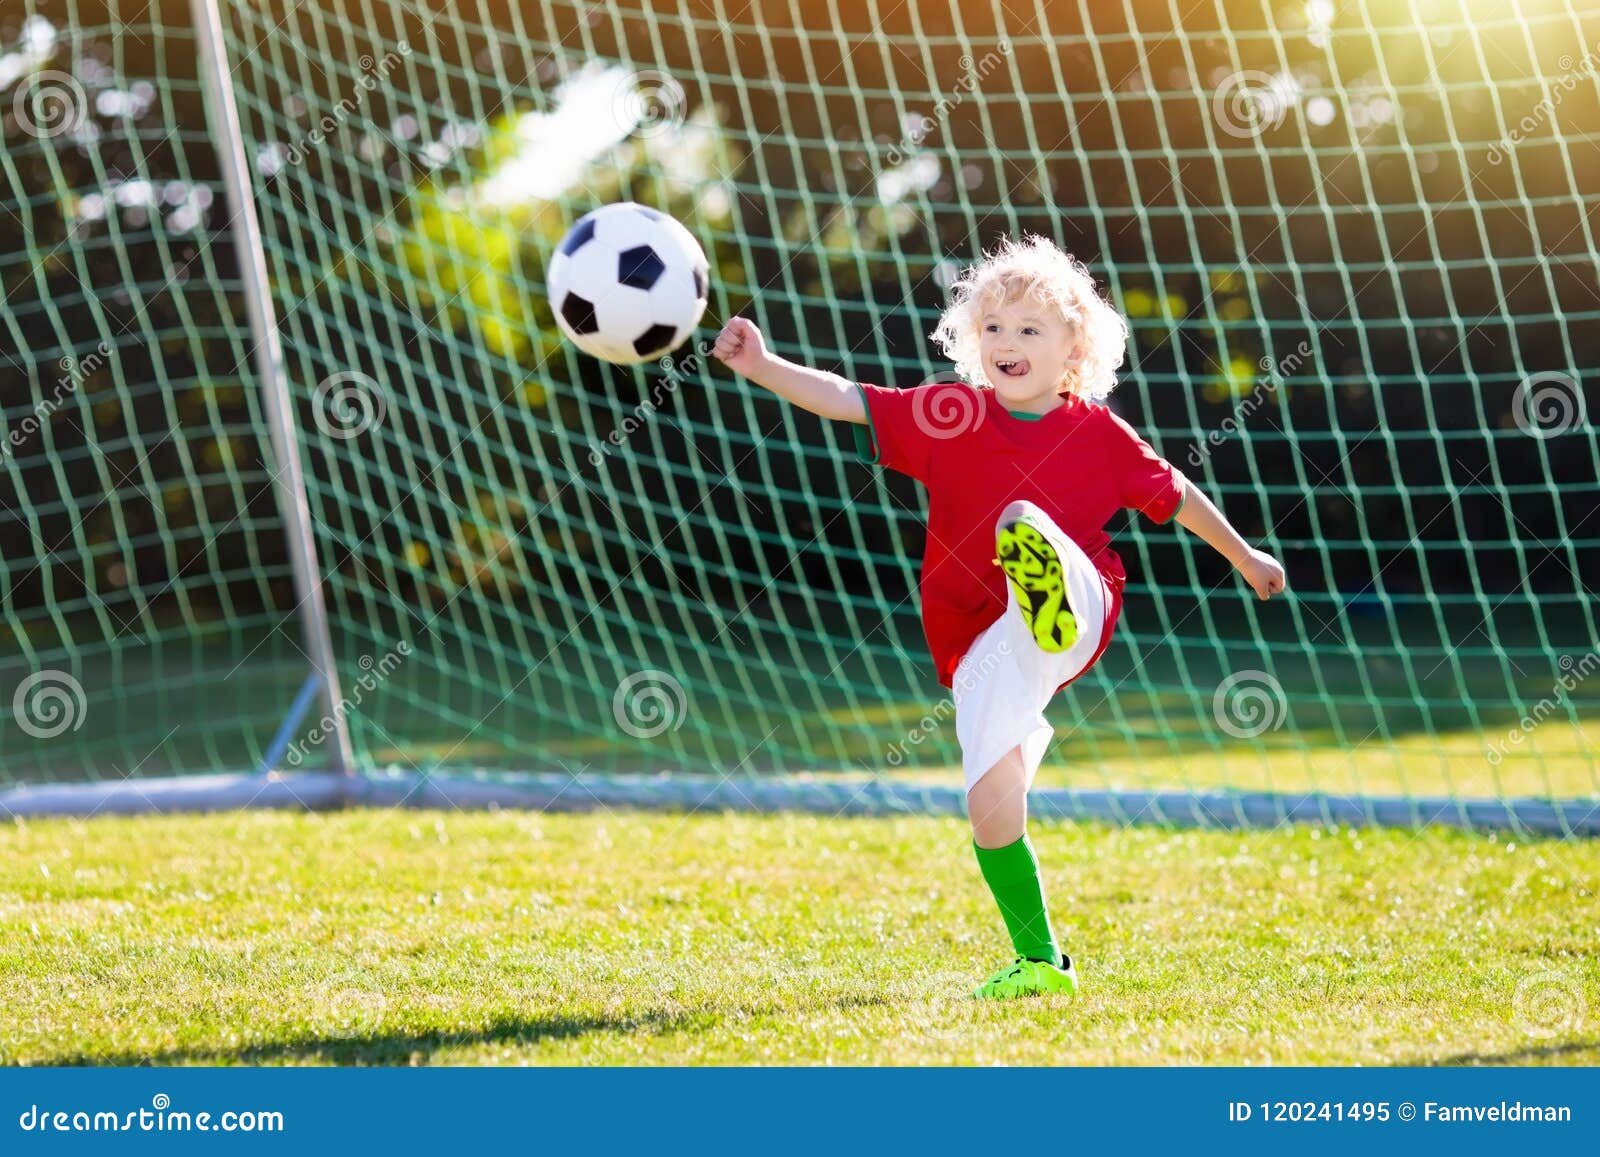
<point x="1012" y="368"/>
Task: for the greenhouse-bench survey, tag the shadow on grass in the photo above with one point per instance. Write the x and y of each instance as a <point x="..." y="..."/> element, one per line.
<point x="1569" y="1053"/>
<point x="381" y="1046"/>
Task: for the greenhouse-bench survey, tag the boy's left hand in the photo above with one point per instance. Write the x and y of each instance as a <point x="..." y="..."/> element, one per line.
<point x="1263" y="572"/>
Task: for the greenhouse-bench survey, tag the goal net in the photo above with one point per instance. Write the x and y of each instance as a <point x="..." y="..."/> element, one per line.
<point x="1355" y="243"/>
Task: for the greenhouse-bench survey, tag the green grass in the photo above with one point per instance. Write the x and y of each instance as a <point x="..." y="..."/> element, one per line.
<point x="415" y="937"/>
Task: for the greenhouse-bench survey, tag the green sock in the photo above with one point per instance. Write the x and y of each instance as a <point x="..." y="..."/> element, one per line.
<point x="1012" y="873"/>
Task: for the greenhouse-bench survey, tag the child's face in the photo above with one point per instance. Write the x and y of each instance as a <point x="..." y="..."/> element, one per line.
<point x="1027" y="347"/>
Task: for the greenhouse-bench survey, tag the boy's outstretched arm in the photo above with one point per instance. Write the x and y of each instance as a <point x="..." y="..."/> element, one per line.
<point x="740" y="347"/>
<point x="1198" y="516"/>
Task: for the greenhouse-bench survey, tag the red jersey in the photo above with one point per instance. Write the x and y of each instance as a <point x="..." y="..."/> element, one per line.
<point x="1080" y="463"/>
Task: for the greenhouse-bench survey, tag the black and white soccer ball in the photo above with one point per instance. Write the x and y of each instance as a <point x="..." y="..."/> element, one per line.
<point x="628" y="283"/>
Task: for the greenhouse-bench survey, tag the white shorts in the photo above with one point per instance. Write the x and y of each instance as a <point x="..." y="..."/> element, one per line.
<point x="1004" y="681"/>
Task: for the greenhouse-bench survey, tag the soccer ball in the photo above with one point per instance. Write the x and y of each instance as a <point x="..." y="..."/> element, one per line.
<point x="628" y="283"/>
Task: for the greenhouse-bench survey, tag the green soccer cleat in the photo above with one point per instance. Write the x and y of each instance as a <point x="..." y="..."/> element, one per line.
<point x="1024" y="977"/>
<point x="1031" y="564"/>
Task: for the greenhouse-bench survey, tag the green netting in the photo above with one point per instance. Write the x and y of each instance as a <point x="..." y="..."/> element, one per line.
<point x="142" y="557"/>
<point x="1355" y="244"/>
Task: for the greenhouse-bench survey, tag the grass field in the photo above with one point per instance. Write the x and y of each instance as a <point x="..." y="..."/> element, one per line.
<point x="396" y="937"/>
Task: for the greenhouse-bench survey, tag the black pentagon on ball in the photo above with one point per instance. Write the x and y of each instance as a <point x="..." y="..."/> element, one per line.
<point x="579" y="314"/>
<point x="640" y="267"/>
<point x="700" y="281"/>
<point x="581" y="233"/>
<point x="654" y="340"/>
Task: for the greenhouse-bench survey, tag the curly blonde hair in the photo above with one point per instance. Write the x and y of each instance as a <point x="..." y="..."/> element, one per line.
<point x="1035" y="267"/>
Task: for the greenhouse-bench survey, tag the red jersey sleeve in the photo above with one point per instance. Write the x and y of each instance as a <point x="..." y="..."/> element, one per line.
<point x="1147" y="482"/>
<point x="906" y="428"/>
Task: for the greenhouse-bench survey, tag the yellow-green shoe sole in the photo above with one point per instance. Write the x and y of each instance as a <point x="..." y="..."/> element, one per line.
<point x="1034" y="570"/>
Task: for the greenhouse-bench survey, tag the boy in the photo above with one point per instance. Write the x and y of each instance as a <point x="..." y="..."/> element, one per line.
<point x="1020" y="588"/>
